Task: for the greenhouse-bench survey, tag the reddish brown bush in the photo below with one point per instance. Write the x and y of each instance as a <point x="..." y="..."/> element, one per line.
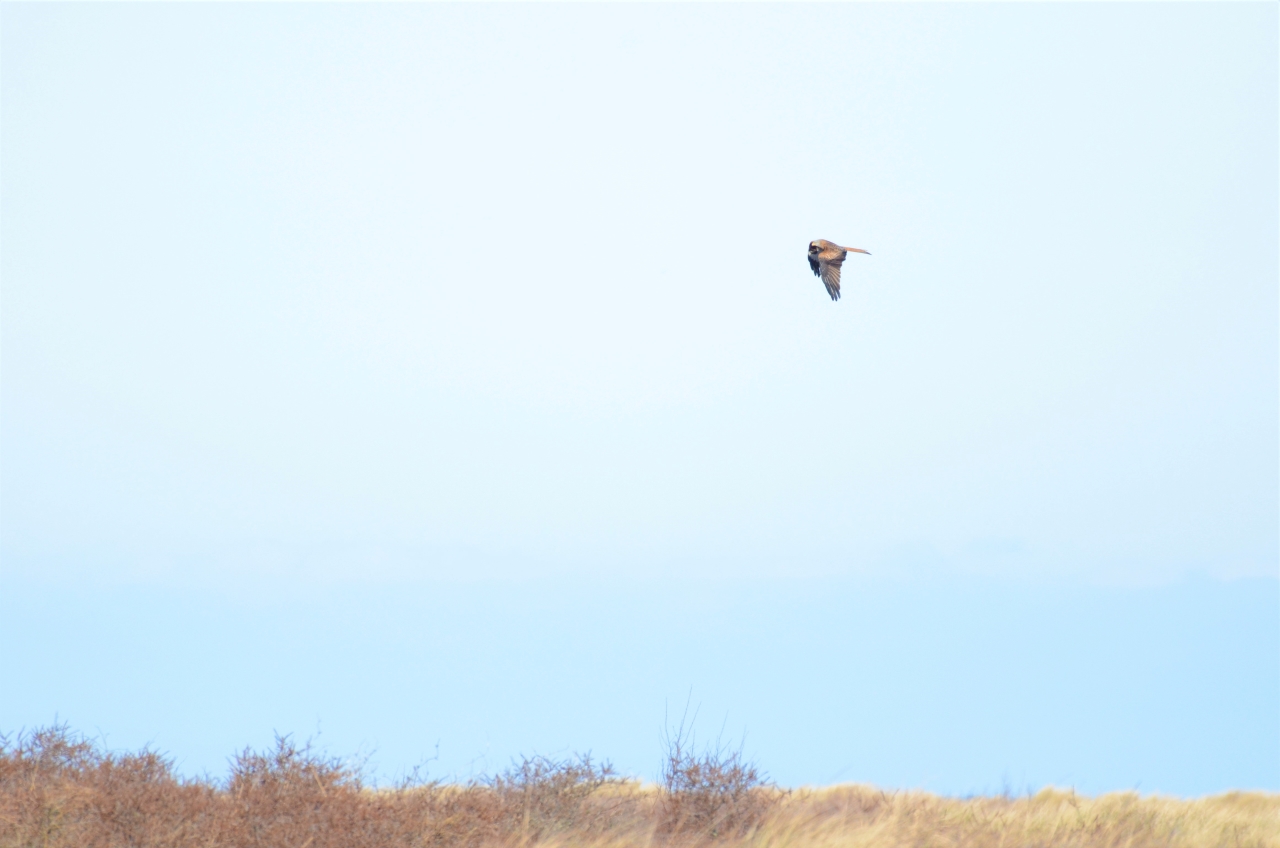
<point x="540" y="796"/>
<point x="60" y="789"/>
<point x="712" y="794"/>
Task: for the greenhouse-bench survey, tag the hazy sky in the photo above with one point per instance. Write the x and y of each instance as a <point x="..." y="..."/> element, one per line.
<point x="314" y="315"/>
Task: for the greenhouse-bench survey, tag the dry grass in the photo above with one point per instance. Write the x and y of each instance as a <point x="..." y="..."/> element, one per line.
<point x="58" y="789"/>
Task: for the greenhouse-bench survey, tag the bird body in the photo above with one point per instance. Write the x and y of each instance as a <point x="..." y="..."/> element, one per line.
<point x="825" y="258"/>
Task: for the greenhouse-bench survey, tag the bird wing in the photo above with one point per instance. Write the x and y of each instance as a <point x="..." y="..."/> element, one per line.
<point x="829" y="270"/>
<point x="813" y="263"/>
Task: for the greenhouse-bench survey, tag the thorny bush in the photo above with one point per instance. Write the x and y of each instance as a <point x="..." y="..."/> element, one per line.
<point x="540" y="796"/>
<point x="711" y="794"/>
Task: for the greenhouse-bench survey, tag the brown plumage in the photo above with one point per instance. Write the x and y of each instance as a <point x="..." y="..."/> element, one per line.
<point x="825" y="258"/>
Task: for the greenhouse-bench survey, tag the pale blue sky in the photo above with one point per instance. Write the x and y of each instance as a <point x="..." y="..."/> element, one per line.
<point x="315" y="318"/>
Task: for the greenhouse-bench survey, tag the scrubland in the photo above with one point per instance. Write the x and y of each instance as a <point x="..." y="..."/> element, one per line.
<point x="60" y="789"/>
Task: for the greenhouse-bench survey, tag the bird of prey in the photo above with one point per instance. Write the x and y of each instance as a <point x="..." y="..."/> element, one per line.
<point x="825" y="258"/>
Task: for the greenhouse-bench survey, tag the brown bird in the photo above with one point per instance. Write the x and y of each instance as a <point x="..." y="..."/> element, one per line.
<point x="825" y="258"/>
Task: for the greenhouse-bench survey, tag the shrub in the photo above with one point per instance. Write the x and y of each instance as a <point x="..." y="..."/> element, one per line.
<point x="715" y="793"/>
<point x="539" y="796"/>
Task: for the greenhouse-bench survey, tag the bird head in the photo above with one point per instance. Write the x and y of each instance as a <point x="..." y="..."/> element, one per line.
<point x="814" y="247"/>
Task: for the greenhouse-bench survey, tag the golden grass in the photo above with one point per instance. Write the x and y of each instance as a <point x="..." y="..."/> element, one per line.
<point x="57" y="789"/>
<point x="856" y="816"/>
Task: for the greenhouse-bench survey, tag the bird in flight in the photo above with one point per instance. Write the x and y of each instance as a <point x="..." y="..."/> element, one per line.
<point x="825" y="258"/>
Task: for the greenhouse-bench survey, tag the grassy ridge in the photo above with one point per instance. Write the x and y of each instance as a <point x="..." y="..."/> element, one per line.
<point x="58" y="789"/>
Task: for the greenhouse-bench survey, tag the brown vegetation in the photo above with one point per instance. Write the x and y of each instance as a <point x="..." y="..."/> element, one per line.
<point x="58" y="789"/>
